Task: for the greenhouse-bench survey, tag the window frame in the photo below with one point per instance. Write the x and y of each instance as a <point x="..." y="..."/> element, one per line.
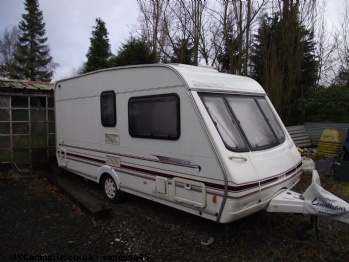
<point x="240" y="129"/>
<point x="237" y="116"/>
<point x="232" y="116"/>
<point x="104" y="122"/>
<point x="141" y="99"/>
<point x="269" y="121"/>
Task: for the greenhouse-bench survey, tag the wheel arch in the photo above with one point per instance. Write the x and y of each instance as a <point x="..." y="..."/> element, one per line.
<point x="108" y="170"/>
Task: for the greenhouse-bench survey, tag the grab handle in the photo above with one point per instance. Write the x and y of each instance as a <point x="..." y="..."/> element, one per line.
<point x="238" y="157"/>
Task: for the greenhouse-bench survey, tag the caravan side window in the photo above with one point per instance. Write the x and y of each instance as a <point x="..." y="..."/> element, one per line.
<point x="156" y="117"/>
<point x="108" y="108"/>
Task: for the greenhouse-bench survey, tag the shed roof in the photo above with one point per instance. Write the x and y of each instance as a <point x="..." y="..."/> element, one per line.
<point x="23" y="84"/>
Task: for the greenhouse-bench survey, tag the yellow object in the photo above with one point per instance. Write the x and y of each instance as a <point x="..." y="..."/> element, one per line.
<point x="333" y="135"/>
<point x="331" y="142"/>
<point x="300" y="149"/>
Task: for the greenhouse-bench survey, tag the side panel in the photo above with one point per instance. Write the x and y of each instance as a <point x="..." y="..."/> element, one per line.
<point x="182" y="173"/>
<point x="190" y="157"/>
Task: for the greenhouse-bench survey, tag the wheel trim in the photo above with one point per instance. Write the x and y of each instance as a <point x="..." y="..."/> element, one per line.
<point x="110" y="188"/>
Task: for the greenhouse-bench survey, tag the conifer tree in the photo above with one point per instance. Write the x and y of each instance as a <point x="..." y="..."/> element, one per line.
<point x="183" y="52"/>
<point x="33" y="59"/>
<point x="99" y="51"/>
<point x="284" y="61"/>
<point x="133" y="52"/>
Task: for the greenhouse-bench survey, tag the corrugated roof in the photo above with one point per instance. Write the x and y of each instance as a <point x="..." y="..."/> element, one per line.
<point x="315" y="129"/>
<point x="22" y="84"/>
<point x="299" y="135"/>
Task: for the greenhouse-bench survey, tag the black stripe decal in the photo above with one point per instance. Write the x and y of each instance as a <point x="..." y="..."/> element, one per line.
<point x="234" y="189"/>
<point x="194" y="166"/>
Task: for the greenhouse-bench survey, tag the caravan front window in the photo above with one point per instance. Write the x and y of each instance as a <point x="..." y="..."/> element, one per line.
<point x="244" y="122"/>
<point x="224" y="122"/>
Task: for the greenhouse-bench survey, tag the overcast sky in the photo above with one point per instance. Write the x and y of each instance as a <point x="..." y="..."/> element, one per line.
<point x="69" y="25"/>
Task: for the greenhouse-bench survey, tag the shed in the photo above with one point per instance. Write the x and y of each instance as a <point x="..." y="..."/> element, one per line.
<point x="27" y="124"/>
<point x="299" y="135"/>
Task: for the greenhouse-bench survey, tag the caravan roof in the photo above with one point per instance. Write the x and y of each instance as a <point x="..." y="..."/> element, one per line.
<point x="199" y="78"/>
<point x="204" y="78"/>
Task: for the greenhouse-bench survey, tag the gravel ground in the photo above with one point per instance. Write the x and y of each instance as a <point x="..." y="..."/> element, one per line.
<point x="38" y="220"/>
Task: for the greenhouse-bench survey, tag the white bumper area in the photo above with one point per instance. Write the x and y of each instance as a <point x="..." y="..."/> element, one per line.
<point x="314" y="201"/>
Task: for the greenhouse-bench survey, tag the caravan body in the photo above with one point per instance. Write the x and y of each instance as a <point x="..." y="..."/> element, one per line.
<point x="189" y="137"/>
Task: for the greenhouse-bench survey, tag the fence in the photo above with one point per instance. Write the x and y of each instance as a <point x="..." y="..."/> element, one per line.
<point x="310" y="133"/>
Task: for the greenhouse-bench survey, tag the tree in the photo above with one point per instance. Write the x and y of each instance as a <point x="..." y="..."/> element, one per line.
<point x="284" y="61"/>
<point x="194" y="11"/>
<point x="191" y="22"/>
<point x="342" y="48"/>
<point x="150" y="18"/>
<point x="99" y="52"/>
<point x="237" y="19"/>
<point x="163" y="24"/>
<point x="325" y="47"/>
<point x="8" y="45"/>
<point x="329" y="104"/>
<point x="183" y="52"/>
<point x="228" y="54"/>
<point x="342" y="78"/>
<point x="32" y="57"/>
<point x="133" y="52"/>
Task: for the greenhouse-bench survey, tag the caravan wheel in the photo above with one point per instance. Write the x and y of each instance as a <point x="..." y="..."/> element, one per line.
<point x="110" y="189"/>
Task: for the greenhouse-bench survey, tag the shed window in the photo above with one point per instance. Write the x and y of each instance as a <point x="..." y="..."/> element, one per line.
<point x="156" y="117"/>
<point x="4" y="101"/>
<point x="38" y="101"/>
<point x="108" y="109"/>
<point x="19" y="101"/>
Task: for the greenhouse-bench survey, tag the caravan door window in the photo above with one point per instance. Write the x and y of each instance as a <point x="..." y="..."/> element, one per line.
<point x="244" y="122"/>
<point x="156" y="117"/>
<point x="108" y="109"/>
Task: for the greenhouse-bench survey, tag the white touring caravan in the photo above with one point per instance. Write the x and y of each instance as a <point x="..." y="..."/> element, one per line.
<point x="204" y="142"/>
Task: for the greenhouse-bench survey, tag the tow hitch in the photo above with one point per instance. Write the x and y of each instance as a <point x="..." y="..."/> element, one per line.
<point x="315" y="201"/>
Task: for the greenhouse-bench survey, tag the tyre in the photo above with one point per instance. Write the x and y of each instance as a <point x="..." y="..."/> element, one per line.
<point x="110" y="189"/>
<point x="303" y="231"/>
